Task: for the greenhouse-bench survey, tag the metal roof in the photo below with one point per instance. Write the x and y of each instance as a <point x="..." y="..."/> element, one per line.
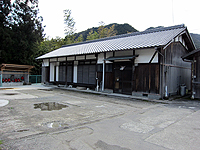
<point x="136" y="40"/>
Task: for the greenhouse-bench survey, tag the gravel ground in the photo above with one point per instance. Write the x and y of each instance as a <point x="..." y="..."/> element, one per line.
<point x="39" y="117"/>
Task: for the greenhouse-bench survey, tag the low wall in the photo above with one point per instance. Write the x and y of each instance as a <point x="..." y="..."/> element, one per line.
<point x="7" y="84"/>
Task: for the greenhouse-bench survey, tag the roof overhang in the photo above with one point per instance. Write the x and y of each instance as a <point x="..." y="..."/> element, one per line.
<point x="190" y="55"/>
<point x="188" y="40"/>
<point x="121" y="58"/>
<point x="15" y="67"/>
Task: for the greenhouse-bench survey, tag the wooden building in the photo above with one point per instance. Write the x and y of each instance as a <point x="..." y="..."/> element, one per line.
<point x="194" y="57"/>
<point x="144" y="63"/>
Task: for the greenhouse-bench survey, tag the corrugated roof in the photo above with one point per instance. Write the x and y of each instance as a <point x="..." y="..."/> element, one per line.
<point x="135" y="40"/>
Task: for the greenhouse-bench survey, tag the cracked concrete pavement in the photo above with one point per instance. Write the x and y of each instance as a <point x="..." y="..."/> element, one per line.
<point x="96" y="122"/>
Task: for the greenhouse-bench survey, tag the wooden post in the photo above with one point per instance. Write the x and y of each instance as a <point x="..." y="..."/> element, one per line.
<point x="103" y="78"/>
<point x="28" y="76"/>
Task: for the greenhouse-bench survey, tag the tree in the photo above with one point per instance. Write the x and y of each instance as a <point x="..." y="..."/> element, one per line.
<point x="5" y="40"/>
<point x="80" y="38"/>
<point x="70" y="23"/>
<point x="92" y="35"/>
<point x="27" y="29"/>
<point x="106" y="32"/>
<point x="20" y="31"/>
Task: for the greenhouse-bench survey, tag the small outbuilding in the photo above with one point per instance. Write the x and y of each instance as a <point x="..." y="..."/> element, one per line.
<point x="13" y="74"/>
<point x="194" y="57"/>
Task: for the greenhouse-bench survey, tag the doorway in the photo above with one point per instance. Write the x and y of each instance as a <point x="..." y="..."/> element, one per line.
<point x="123" y="77"/>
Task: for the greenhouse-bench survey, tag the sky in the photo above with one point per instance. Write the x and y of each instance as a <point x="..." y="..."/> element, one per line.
<point x="140" y="14"/>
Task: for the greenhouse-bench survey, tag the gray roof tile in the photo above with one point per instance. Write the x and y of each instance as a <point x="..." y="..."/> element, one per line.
<point x="135" y="40"/>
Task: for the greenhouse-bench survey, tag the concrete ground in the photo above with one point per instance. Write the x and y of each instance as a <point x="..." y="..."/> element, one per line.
<point x="39" y="117"/>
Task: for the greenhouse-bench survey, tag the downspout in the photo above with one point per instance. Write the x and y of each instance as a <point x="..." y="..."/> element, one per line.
<point x="156" y="48"/>
<point x="193" y="77"/>
<point x="165" y="71"/>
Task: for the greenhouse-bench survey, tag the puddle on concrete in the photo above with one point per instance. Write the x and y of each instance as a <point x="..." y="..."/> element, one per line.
<point x="49" y="106"/>
<point x="22" y="130"/>
<point x="45" y="89"/>
<point x="11" y="93"/>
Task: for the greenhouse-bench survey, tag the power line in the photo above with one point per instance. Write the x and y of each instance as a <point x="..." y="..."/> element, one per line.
<point x="173" y="12"/>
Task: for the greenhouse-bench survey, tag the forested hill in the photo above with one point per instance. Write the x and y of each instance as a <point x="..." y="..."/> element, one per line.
<point x="126" y="28"/>
<point x="119" y="29"/>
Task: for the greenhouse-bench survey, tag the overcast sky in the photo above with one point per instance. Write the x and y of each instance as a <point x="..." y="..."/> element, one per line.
<point x="141" y="14"/>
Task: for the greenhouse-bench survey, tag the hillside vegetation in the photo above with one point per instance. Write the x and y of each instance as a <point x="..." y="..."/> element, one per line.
<point x="118" y="29"/>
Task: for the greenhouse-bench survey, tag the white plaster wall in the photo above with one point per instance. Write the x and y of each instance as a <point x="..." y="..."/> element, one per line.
<point x="75" y="71"/>
<point x="90" y="56"/>
<point x="62" y="59"/>
<point x="80" y="57"/>
<point x="71" y="58"/>
<point x="145" y="56"/>
<point x="45" y="63"/>
<point x="75" y="74"/>
<point x="52" y="72"/>
<point x="109" y="54"/>
<point x="57" y="73"/>
<point x="100" y="58"/>
<point x="53" y="59"/>
<point x="180" y="39"/>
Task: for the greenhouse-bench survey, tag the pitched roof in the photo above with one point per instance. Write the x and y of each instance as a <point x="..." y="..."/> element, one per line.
<point x="189" y="56"/>
<point x="15" y="67"/>
<point x="149" y="38"/>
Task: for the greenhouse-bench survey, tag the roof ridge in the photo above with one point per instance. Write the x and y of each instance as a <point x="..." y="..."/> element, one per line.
<point x="129" y="34"/>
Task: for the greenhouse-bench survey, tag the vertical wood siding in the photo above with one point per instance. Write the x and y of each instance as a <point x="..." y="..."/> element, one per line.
<point x="146" y="78"/>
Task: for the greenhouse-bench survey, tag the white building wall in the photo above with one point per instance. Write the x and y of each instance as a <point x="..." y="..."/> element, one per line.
<point x="100" y="58"/>
<point x="62" y="59"/>
<point x="57" y="73"/>
<point x="145" y="56"/>
<point x="52" y="72"/>
<point x="45" y="63"/>
<point x="75" y="71"/>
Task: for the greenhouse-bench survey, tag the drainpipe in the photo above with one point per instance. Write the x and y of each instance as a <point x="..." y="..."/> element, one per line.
<point x="165" y="70"/>
<point x="193" y="72"/>
<point x="156" y="48"/>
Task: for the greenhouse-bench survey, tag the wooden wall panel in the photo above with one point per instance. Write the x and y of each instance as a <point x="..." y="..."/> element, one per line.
<point x="146" y="78"/>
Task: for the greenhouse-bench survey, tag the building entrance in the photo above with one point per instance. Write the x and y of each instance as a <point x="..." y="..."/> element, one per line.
<point x="123" y="78"/>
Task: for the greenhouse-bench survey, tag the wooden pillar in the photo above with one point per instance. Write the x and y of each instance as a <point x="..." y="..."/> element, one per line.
<point x="66" y="73"/>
